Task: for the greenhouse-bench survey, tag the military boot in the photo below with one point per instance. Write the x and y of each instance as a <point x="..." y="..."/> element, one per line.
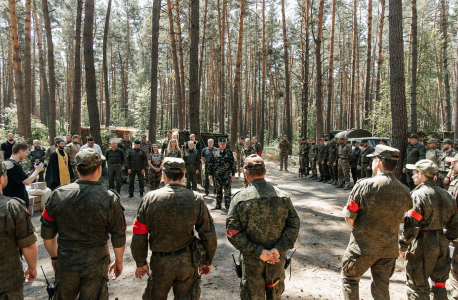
<point x="325" y="180"/>
<point x="336" y="182"/>
<point x="340" y="185"/>
<point x="281" y="169"/>
<point x="331" y="181"/>
<point x="347" y="187"/>
<point x="131" y="195"/>
<point x="321" y="179"/>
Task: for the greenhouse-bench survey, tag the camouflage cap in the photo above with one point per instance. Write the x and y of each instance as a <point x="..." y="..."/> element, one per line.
<point x="432" y="140"/>
<point x="414" y="136"/>
<point x="425" y="166"/>
<point x="57" y="138"/>
<point x="143" y="135"/>
<point x="88" y="158"/>
<point x="420" y="140"/>
<point x="254" y="162"/>
<point x="285" y="136"/>
<point x="4" y="166"/>
<point x="222" y="140"/>
<point x="173" y="165"/>
<point x="76" y="137"/>
<point x="342" y="138"/>
<point x="386" y="152"/>
<point x="447" y="141"/>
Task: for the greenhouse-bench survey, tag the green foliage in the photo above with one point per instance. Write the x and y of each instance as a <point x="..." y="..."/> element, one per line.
<point x="106" y="135"/>
<point x="140" y="105"/>
<point x="380" y="117"/>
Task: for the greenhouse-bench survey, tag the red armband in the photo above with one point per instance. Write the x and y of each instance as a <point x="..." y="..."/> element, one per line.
<point x="232" y="232"/>
<point x="353" y="206"/>
<point x="46" y="216"/>
<point x="259" y="152"/>
<point x="439" y="284"/>
<point x="139" y="228"/>
<point x="415" y="215"/>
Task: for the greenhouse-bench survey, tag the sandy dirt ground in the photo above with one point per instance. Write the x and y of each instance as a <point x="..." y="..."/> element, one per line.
<point x="316" y="266"/>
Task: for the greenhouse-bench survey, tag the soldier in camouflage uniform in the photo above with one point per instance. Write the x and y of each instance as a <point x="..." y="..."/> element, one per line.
<point x="444" y="164"/>
<point x="146" y="146"/>
<point x="322" y="161"/>
<point x="345" y="156"/>
<point x="37" y="154"/>
<point x="262" y="224"/>
<point x="191" y="159"/>
<point x="171" y="240"/>
<point x="432" y="153"/>
<point x="423" y="237"/>
<point x="284" y="147"/>
<point x="313" y="155"/>
<point x="76" y="224"/>
<point x="356" y="154"/>
<point x="364" y="162"/>
<point x="222" y="169"/>
<point x="136" y="163"/>
<point x="172" y="149"/>
<point x="16" y="231"/>
<point x="155" y="165"/>
<point x="205" y="157"/>
<point x="52" y="148"/>
<point x="72" y="149"/>
<point x="374" y="210"/>
<point x="125" y="145"/>
<point x="302" y="167"/>
<point x="247" y="151"/>
<point x="333" y="152"/>
<point x="453" y="190"/>
<point x="257" y="147"/>
<point x="238" y="149"/>
<point x="413" y="154"/>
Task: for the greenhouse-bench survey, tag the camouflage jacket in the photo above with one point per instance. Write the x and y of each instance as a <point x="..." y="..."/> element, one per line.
<point x="284" y="146"/>
<point x="363" y="159"/>
<point x="313" y="152"/>
<point x="146" y="146"/>
<point x="166" y="219"/>
<point x="453" y="190"/>
<point x="72" y="149"/>
<point x="155" y="159"/>
<point x="333" y="153"/>
<point x="433" y="209"/>
<point x="136" y="160"/>
<point x="433" y="155"/>
<point x="191" y="157"/>
<point x="442" y="163"/>
<point x="50" y="150"/>
<point x="173" y="153"/>
<point x="247" y="151"/>
<point x="35" y="153"/>
<point x="222" y="163"/>
<point x="238" y="149"/>
<point x="322" y="153"/>
<point x="261" y="217"/>
<point x="84" y="215"/>
<point x="414" y="153"/>
<point x="377" y="205"/>
<point x="356" y="154"/>
<point x="345" y="153"/>
<point x="257" y="148"/>
<point x="16" y="231"/>
<point x="125" y="146"/>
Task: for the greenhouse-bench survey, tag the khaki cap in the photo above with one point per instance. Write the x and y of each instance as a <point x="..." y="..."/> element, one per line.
<point x="432" y="141"/>
<point x="425" y="166"/>
<point x="386" y="152"/>
<point x="447" y="141"/>
<point x="76" y="137"/>
<point x="173" y="165"/>
<point x="254" y="162"/>
<point x="88" y="158"/>
<point x="4" y="166"/>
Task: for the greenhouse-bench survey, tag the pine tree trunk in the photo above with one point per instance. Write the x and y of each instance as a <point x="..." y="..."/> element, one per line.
<point x="154" y="65"/>
<point x="202" y="48"/>
<point x="331" y="67"/>
<point x="368" y="66"/>
<point x="28" y="72"/>
<point x="288" y="130"/>
<point x="305" y="79"/>
<point x="413" y="86"/>
<point x="380" y="57"/>
<point x="105" y="67"/>
<point x="456" y="92"/>
<point x="194" y="101"/>
<point x="319" y="75"/>
<point x="180" y="52"/>
<point x="353" y="69"/>
<point x="238" y="75"/>
<point x="75" y="126"/>
<point x="264" y="73"/>
<point x="448" y="107"/>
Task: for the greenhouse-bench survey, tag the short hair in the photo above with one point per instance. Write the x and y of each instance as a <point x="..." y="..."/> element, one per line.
<point x="90" y="139"/>
<point x="169" y="132"/>
<point x="19" y="146"/>
<point x="174" y="176"/>
<point x="254" y="137"/>
<point x="210" y="140"/>
<point x="34" y="141"/>
<point x="388" y="164"/>
<point x="68" y="134"/>
<point x="125" y="133"/>
<point x="88" y="171"/>
<point x="257" y="172"/>
<point x="247" y="140"/>
<point x="190" y="142"/>
<point x="192" y="134"/>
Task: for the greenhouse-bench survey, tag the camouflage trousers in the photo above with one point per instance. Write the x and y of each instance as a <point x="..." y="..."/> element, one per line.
<point x="191" y="177"/>
<point x="344" y="172"/>
<point x="284" y="160"/>
<point x="16" y="294"/>
<point x="114" y="176"/>
<point x="172" y="272"/>
<point x="410" y="183"/>
<point x="454" y="272"/>
<point x="222" y="183"/>
<point x="428" y="257"/>
<point x="365" y="173"/>
<point x="353" y="268"/>
<point x="239" y="163"/>
<point x="333" y="172"/>
<point x="155" y="179"/>
<point x="313" y="166"/>
<point x="89" y="284"/>
<point x="440" y="180"/>
<point x="77" y="175"/>
<point x="305" y="162"/>
<point x="261" y="280"/>
<point x="323" y="169"/>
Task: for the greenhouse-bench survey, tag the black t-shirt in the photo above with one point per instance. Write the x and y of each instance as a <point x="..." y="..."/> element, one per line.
<point x="15" y="187"/>
<point x="8" y="149"/>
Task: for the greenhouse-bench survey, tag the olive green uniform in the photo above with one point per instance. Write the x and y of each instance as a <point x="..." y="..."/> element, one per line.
<point x="377" y="205"/>
<point x="40" y="154"/>
<point x="444" y="167"/>
<point x="83" y="215"/>
<point x="247" y="151"/>
<point x="304" y="157"/>
<point x="115" y="162"/>
<point x="322" y="161"/>
<point x="192" y="161"/>
<point x="453" y="190"/>
<point x="425" y="242"/>
<point x="313" y="155"/>
<point x="355" y="173"/>
<point x="238" y="149"/>
<point x="345" y="156"/>
<point x="125" y="146"/>
<point x="16" y="231"/>
<point x="136" y="161"/>
<point x="155" y="176"/>
<point x="284" y="147"/>
<point x="262" y="217"/>
<point x="166" y="220"/>
<point x="72" y="149"/>
<point x="257" y="149"/>
<point x="333" y="157"/>
<point x="366" y="162"/>
<point x="433" y="155"/>
<point x="222" y="166"/>
<point x="413" y="154"/>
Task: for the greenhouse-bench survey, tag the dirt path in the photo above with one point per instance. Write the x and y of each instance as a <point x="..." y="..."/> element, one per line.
<point x="316" y="267"/>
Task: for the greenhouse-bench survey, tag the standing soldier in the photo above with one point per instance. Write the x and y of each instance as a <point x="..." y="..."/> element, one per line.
<point x="136" y="165"/>
<point x="355" y="173"/>
<point x="76" y="224"/>
<point x="257" y="147"/>
<point x="301" y="157"/>
<point x="37" y="154"/>
<point x="172" y="241"/>
<point x="165" y="144"/>
<point x="125" y="145"/>
<point x="305" y="157"/>
<point x="222" y="169"/>
<point x="262" y="224"/>
<point x="333" y="152"/>
<point x="68" y="138"/>
<point x="374" y="211"/>
<point x="206" y="155"/>
<point x="155" y="164"/>
<point x="433" y="153"/>
<point x="146" y="146"/>
<point x="115" y="162"/>
<point x="444" y="164"/>
<point x="453" y="190"/>
<point x="322" y="161"/>
<point x="345" y="157"/>
<point x="191" y="160"/>
<point x="238" y="148"/>
<point x="313" y="155"/>
<point x="284" y="147"/>
<point x="247" y="151"/>
<point x="413" y="154"/>
<point x="72" y="149"/>
<point x="423" y="238"/>
<point x="52" y="148"/>
<point x="364" y="162"/>
<point x="16" y="231"/>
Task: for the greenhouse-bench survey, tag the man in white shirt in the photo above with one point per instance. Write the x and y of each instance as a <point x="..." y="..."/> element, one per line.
<point x="91" y="144"/>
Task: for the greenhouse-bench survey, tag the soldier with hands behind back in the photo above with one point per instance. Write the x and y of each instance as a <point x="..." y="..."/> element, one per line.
<point x="364" y="162"/>
<point x="136" y="163"/>
<point x="284" y="147"/>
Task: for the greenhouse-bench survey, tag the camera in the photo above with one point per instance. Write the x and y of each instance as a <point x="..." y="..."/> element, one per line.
<point x="39" y="162"/>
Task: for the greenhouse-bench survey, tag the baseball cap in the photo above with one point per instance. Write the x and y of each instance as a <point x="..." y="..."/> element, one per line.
<point x="285" y="136"/>
<point x="342" y="138"/>
<point x="254" y="162"/>
<point x="414" y="136"/>
<point x="447" y="141"/>
<point x="4" y="166"/>
<point x="173" y="165"/>
<point x="432" y="140"/>
<point x="386" y="152"/>
<point x="76" y="137"/>
<point x="326" y="135"/>
<point x="425" y="166"/>
<point x="88" y="158"/>
<point x="222" y="140"/>
<point x="143" y="135"/>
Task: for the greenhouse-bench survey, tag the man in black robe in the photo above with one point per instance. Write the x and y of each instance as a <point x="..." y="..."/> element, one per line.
<point x="53" y="176"/>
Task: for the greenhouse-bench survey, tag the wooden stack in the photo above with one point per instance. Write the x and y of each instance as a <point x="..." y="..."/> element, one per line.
<point x="35" y="201"/>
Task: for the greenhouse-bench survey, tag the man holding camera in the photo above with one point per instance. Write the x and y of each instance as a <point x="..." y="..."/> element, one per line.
<point x="37" y="155"/>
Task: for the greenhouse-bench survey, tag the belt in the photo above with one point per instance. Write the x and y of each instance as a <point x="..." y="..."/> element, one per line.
<point x="114" y="164"/>
<point x="173" y="253"/>
<point x="431" y="233"/>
